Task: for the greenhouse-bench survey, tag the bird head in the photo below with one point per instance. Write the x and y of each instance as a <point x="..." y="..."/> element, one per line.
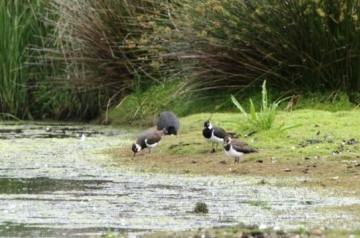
<point x="207" y="124"/>
<point x="227" y="140"/>
<point x="136" y="148"/>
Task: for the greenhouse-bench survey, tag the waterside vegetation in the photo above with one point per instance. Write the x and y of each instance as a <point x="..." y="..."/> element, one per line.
<point x="75" y="60"/>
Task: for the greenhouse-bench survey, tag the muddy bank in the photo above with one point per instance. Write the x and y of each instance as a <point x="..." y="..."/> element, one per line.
<point x="64" y="186"/>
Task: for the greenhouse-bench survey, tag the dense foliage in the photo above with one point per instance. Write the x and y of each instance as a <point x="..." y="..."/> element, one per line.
<point x="67" y="59"/>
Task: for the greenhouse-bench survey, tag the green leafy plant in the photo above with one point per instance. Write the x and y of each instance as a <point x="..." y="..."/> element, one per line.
<point x="264" y="119"/>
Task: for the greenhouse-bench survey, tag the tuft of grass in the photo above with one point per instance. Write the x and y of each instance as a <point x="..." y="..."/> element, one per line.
<point x="265" y="118"/>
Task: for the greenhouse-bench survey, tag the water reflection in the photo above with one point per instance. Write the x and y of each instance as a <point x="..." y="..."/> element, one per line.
<point x="41" y="185"/>
<point x="23" y="230"/>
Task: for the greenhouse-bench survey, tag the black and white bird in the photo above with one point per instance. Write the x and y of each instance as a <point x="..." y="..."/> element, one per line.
<point x="148" y="139"/>
<point x="213" y="134"/>
<point x="236" y="148"/>
<point x="168" y="120"/>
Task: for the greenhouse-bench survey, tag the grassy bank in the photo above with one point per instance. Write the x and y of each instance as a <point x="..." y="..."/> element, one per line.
<point x="323" y="150"/>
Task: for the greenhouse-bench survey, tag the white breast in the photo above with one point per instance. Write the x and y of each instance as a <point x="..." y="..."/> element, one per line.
<point x="233" y="153"/>
<point x="150" y="145"/>
<point x="215" y="139"/>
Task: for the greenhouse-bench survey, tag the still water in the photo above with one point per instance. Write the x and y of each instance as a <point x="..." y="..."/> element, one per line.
<point x="53" y="183"/>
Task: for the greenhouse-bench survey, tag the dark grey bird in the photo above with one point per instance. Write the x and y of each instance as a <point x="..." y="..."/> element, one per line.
<point x="148" y="139"/>
<point x="168" y="120"/>
<point x="213" y="134"/>
<point x="237" y="148"/>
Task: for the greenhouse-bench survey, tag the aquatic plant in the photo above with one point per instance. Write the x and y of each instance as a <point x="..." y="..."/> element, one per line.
<point x="201" y="207"/>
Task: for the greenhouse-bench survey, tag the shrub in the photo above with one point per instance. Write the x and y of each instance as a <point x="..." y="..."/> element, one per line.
<point x="106" y="47"/>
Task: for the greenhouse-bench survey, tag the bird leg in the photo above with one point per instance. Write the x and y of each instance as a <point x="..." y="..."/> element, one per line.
<point x="213" y="148"/>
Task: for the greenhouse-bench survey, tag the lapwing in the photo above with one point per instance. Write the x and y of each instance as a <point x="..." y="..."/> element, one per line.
<point x="148" y="139"/>
<point x="168" y="120"/>
<point x="213" y="134"/>
<point x="236" y="148"/>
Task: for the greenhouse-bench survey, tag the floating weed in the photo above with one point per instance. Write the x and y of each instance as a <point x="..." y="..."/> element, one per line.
<point x="262" y="204"/>
<point x="201" y="207"/>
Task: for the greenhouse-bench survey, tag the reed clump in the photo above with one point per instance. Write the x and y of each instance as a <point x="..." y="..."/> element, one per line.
<point x="78" y="59"/>
<point x="295" y="45"/>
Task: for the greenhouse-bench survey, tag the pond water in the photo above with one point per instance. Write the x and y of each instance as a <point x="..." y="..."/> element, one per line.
<point x="54" y="184"/>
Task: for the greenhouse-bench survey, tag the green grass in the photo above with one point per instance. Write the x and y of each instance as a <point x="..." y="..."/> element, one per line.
<point x="141" y="108"/>
<point x="305" y="150"/>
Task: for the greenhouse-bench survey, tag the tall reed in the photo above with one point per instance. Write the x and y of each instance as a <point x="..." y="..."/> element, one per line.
<point x="99" y="44"/>
<point x="15" y="30"/>
<point x="296" y="45"/>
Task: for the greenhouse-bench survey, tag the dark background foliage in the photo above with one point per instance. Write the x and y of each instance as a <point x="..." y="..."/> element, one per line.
<point x="67" y="60"/>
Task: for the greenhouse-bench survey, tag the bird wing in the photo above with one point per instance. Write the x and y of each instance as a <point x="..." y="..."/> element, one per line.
<point x="219" y="132"/>
<point x="144" y="135"/>
<point x="154" y="137"/>
<point x="168" y="119"/>
<point x="242" y="146"/>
